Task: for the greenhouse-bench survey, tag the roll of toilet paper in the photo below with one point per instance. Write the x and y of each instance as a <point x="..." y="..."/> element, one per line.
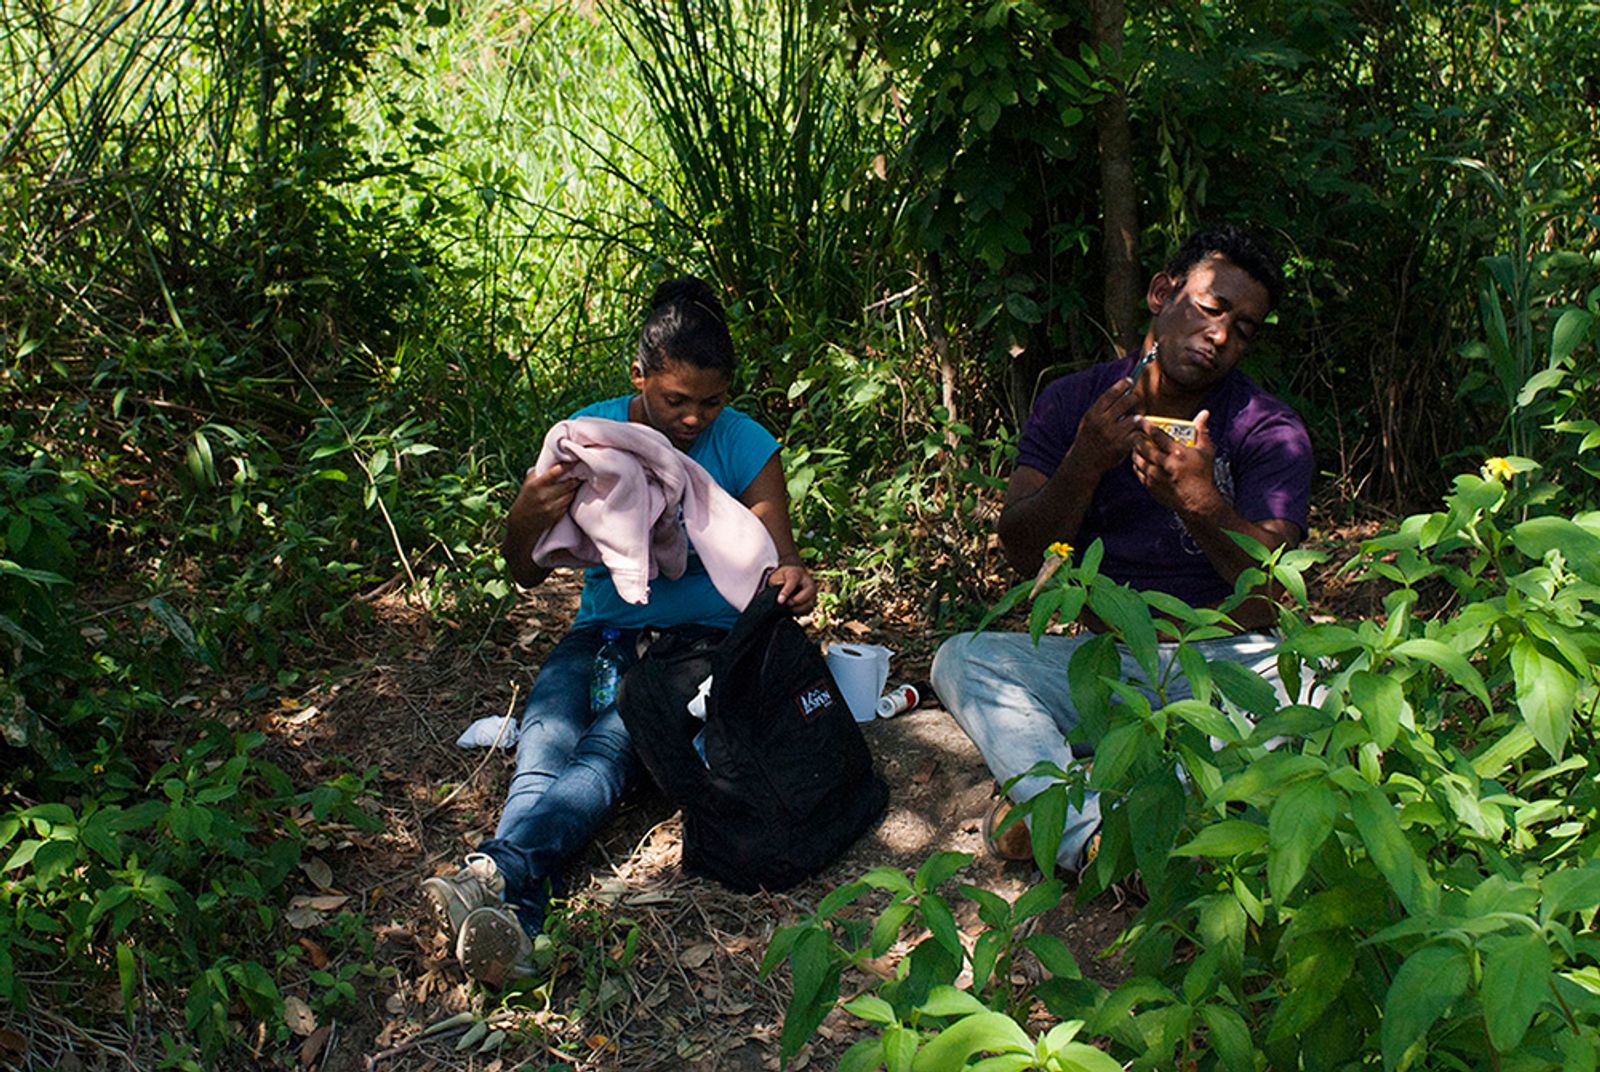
<point x="861" y="671"/>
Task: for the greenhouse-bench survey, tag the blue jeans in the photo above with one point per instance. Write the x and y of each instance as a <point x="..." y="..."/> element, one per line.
<point x="1013" y="700"/>
<point x="572" y="768"/>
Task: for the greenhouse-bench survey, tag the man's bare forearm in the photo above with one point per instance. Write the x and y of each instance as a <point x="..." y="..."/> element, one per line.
<point x="1210" y="525"/>
<point x="1042" y="510"/>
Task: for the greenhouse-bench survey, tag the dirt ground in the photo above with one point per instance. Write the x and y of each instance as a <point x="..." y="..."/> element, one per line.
<point x="655" y="970"/>
<point x="692" y="996"/>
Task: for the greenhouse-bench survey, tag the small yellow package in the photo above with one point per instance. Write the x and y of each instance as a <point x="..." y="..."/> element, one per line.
<point x="1182" y="431"/>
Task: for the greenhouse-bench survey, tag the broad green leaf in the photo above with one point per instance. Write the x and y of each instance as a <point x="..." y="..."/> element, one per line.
<point x="1041" y="898"/>
<point x="1382" y="704"/>
<point x="1054" y="955"/>
<point x="871" y="1008"/>
<point x="1227" y="838"/>
<point x="1116" y="753"/>
<point x="811" y="958"/>
<point x="899" y="1049"/>
<point x="939" y="868"/>
<point x="1197" y="672"/>
<point x="1498" y="894"/>
<point x="1230" y="1038"/>
<point x="865" y="1056"/>
<point x="1087" y="672"/>
<point x="1540" y="381"/>
<point x="1269" y="773"/>
<point x="1005" y="1062"/>
<point x="1296" y="720"/>
<point x="1569" y="890"/>
<point x="949" y="1001"/>
<point x="992" y="908"/>
<point x="1357" y="904"/>
<point x="127" y="977"/>
<point x="941" y="923"/>
<point x="1205" y="718"/>
<point x="1569" y="332"/>
<point x="1061" y="1034"/>
<point x="1323" y="640"/>
<point x="1319" y="964"/>
<point x="1245" y="687"/>
<point x="1077" y="1057"/>
<point x="816" y="989"/>
<point x="886" y="931"/>
<point x="1301" y="820"/>
<point x="1013" y="596"/>
<point x="1126" y="614"/>
<point x="1155" y="810"/>
<point x="1431" y="979"/>
<point x="1546" y="693"/>
<point x="1516" y="981"/>
<point x="1580" y="547"/>
<point x="1512" y="745"/>
<point x="1047" y="819"/>
<point x="1386" y="843"/>
<point x="986" y="1031"/>
<point x="886" y="878"/>
<point x="1044" y="611"/>
<point x="1451" y="662"/>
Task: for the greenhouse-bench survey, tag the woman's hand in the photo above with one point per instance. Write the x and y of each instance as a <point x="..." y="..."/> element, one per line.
<point x="798" y="589"/>
<point x="543" y="499"/>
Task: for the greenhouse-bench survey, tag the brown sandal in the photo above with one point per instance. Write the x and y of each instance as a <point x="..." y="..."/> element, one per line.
<point x="1015" y="842"/>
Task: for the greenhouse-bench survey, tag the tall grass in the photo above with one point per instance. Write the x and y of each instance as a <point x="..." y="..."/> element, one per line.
<point x="768" y="182"/>
<point x="517" y="108"/>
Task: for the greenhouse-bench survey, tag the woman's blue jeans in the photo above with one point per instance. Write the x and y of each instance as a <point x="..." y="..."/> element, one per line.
<point x="572" y="767"/>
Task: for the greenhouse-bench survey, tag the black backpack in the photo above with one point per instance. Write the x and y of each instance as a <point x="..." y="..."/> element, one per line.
<point x="787" y="784"/>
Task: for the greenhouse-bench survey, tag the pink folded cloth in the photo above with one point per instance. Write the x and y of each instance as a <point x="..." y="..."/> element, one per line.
<point x="626" y="513"/>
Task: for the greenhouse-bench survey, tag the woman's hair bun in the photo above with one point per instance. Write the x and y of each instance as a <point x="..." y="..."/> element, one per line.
<point x="686" y="323"/>
<point x="687" y="290"/>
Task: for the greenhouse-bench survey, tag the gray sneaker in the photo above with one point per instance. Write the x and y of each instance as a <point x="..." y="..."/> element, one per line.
<point x="492" y="946"/>
<point x="478" y="884"/>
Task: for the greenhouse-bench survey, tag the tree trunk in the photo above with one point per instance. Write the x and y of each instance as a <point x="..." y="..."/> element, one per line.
<point x="1118" y="200"/>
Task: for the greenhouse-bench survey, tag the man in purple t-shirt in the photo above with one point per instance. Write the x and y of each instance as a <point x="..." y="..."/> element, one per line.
<point x="1091" y="467"/>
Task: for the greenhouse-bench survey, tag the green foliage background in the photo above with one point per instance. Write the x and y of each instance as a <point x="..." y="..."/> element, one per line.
<point x="289" y="291"/>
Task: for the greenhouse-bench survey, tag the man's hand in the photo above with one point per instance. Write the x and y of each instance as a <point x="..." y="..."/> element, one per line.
<point x="1179" y="477"/>
<point x="798" y="589"/>
<point x="1109" y="430"/>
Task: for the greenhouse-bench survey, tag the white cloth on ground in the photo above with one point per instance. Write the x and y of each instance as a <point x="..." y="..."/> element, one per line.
<point x="489" y="731"/>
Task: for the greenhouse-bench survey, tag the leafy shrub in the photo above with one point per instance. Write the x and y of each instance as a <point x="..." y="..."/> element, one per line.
<point x="1400" y="871"/>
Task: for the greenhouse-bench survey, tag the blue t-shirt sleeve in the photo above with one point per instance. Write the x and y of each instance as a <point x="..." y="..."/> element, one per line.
<point x="737" y="452"/>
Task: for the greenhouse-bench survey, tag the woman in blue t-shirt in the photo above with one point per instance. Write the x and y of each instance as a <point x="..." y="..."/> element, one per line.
<point x="573" y="763"/>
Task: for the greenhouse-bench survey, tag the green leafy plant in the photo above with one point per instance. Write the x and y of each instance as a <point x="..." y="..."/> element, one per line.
<point x="1397" y="871"/>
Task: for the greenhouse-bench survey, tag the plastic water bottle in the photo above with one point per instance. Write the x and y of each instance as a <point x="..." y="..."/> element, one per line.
<point x="607" y="673"/>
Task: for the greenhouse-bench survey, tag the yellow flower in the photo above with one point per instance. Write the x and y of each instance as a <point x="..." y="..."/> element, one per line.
<point x="1060" y="549"/>
<point x="1498" y="469"/>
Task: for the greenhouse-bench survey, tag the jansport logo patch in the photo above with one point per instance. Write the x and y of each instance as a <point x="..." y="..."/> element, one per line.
<point x="814" y="699"/>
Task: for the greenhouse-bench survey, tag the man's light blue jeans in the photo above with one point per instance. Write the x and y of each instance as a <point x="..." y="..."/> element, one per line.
<point x="1013" y="700"/>
<point x="572" y="768"/>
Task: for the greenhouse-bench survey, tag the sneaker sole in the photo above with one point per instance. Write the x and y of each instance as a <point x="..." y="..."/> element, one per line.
<point x="488" y="947"/>
<point x="440" y="898"/>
